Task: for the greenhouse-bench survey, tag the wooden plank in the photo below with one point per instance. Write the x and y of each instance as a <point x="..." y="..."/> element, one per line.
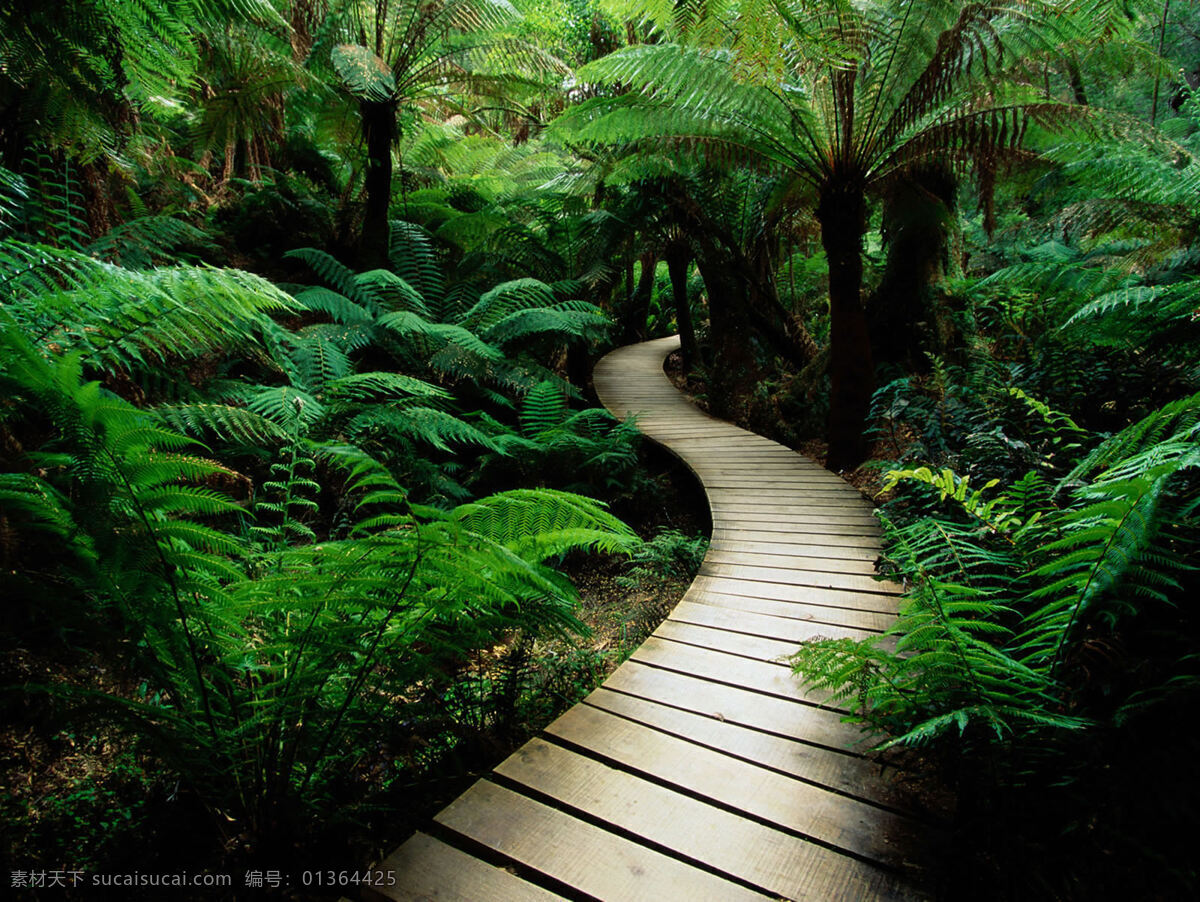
<point x="815" y="547"/>
<point x="873" y="621"/>
<point x="723" y="521"/>
<point x="771" y="454"/>
<point x="862" y="778"/>
<point x="816" y="578"/>
<point x="772" y="714"/>
<point x="757" y="649"/>
<point x="785" y="535"/>
<point x="825" y="562"/>
<point x="708" y="749"/>
<point x="845" y="823"/>
<point x="814" y="498"/>
<point x="427" y="869"/>
<point x="787" y="471"/>
<point x="744" y="446"/>
<point x="763" y="473"/>
<point x="753" y="509"/>
<point x="842" y="598"/>
<point x="721" y="667"/>
<point x="813" y="503"/>
<point x="775" y="457"/>
<point x="776" y="862"/>
<point x="760" y="508"/>
<point x="789" y="630"/>
<point x="668" y="434"/>
<point x="577" y="853"/>
<point x="719" y="638"/>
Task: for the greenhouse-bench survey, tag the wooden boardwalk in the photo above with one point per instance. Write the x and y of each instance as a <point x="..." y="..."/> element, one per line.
<point x="699" y="770"/>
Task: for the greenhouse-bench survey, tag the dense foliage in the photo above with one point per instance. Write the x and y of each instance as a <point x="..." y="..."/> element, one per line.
<point x="298" y="300"/>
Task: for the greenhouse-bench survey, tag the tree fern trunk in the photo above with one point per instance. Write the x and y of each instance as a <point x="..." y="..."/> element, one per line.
<point x="918" y="216"/>
<point x="786" y="333"/>
<point x="842" y="214"/>
<point x="678" y="257"/>
<point x="639" y="305"/>
<point x="379" y="130"/>
<point x="732" y="371"/>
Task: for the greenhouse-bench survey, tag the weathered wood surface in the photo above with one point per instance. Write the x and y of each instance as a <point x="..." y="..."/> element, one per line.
<point x="700" y="769"/>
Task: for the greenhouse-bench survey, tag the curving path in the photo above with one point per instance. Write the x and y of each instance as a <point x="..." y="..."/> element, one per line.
<point x="698" y="770"/>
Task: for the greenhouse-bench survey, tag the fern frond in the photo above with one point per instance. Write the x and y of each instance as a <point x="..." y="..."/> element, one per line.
<point x="414" y="260"/>
<point x="286" y="404"/>
<point x="543" y="409"/>
<point x="425" y="424"/>
<point x="146" y="241"/>
<point x="122" y="318"/>
<point x="390" y="292"/>
<point x="1175" y="422"/>
<point x="336" y="306"/>
<point x="505" y="299"/>
<point x="541" y="523"/>
<point x="381" y="387"/>
<point x="406" y="323"/>
<point x="564" y="325"/>
<point x="1105" y="541"/>
<point x="228" y="422"/>
<point x="333" y="273"/>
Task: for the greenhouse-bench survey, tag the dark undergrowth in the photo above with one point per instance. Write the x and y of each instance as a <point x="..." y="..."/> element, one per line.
<point x="85" y="802"/>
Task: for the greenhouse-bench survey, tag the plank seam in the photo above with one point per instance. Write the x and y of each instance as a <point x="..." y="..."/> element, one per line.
<point x="849" y="753"/>
<point x="825" y="787"/>
<point x="496" y="858"/>
<point x="723" y="806"/>
<point x="801" y="604"/>
<point x="594" y="820"/>
<point x="756" y="690"/>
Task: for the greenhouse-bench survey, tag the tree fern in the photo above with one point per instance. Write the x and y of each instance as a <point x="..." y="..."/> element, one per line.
<point x="265" y="666"/>
<point x="337" y="275"/>
<point x="383" y="386"/>
<point x="564" y="323"/>
<point x="336" y="306"/>
<point x="1001" y="597"/>
<point x="423" y="424"/>
<point x="949" y="670"/>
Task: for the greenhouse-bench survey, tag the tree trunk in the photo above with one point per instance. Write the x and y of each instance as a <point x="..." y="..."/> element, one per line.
<point x="733" y="366"/>
<point x="1075" y="78"/>
<point x="638" y="311"/>
<point x="98" y="205"/>
<point x="918" y="216"/>
<point x="678" y="258"/>
<point x="379" y="131"/>
<point x="842" y="214"/>
<point x="783" y="331"/>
